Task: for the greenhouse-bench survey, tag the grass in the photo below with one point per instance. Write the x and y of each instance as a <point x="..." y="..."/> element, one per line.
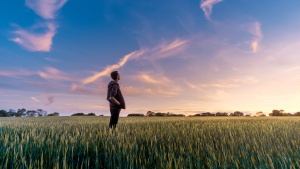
<point x="150" y="142"/>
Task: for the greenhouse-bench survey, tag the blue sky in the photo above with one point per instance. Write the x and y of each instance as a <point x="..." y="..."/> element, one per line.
<point x="182" y="57"/>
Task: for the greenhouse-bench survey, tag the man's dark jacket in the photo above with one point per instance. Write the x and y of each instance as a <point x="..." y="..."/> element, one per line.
<point x="114" y="91"/>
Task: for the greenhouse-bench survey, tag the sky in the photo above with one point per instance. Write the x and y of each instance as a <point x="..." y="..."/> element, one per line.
<point x="183" y="56"/>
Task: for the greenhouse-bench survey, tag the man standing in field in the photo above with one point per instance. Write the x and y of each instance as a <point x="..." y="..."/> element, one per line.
<point x="115" y="98"/>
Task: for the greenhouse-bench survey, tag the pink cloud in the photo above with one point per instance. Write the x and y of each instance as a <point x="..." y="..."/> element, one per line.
<point x="34" y="99"/>
<point x="155" y="84"/>
<point x="207" y="5"/>
<point x="16" y="74"/>
<point x="54" y="74"/>
<point x="165" y="50"/>
<point x="161" y="51"/>
<point x="255" y="30"/>
<point x="110" y="68"/>
<point x="153" y="79"/>
<point x="151" y="91"/>
<point x="36" y="41"/>
<point x="47" y="9"/>
<point x="50" y="99"/>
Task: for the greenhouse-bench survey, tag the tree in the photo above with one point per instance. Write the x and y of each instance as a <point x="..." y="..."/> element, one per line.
<point x="160" y="114"/>
<point x="288" y="114"/>
<point x="238" y="113"/>
<point x="3" y="113"/>
<point x="31" y="113"/>
<point x="180" y="115"/>
<point x="142" y="115"/>
<point x="41" y="112"/>
<point x="91" y="114"/>
<point x="78" y="114"/>
<point x="277" y="113"/>
<point x="56" y="114"/>
<point x="11" y="113"/>
<point x="260" y="113"/>
<point x="150" y="113"/>
<point x="21" y="112"/>
<point x="207" y="114"/>
<point x="221" y="114"/>
<point x="297" y="114"/>
<point x="53" y="114"/>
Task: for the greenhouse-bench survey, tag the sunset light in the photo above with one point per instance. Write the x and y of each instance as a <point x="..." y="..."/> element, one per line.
<point x="184" y="57"/>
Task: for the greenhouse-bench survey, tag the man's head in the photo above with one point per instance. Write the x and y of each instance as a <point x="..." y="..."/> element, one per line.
<point x="115" y="75"/>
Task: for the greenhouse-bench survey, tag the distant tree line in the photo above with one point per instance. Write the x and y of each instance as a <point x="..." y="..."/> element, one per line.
<point x="40" y="112"/>
<point x="135" y="115"/>
<point x="239" y="113"/>
<point x="24" y="113"/>
<point x="82" y="114"/>
<point x="35" y="113"/>
<point x="283" y="113"/>
<point x="236" y="113"/>
<point x="151" y="113"/>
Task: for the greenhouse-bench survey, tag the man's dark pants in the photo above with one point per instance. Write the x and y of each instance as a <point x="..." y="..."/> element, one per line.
<point x="114" y="117"/>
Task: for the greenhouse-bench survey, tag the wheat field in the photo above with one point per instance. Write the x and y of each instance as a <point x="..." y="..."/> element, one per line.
<point x="150" y="142"/>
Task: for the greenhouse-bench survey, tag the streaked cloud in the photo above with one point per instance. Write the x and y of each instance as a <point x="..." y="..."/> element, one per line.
<point x="156" y="84"/>
<point x="207" y="6"/>
<point x="110" y="68"/>
<point x="168" y="49"/>
<point x="153" y="79"/>
<point x="230" y="83"/>
<point x="46" y="9"/>
<point x="33" y="41"/>
<point x="34" y="99"/>
<point x="161" y="51"/>
<point x="16" y="74"/>
<point x="86" y="90"/>
<point x="51" y="59"/>
<point x="199" y="86"/>
<point x="255" y="30"/>
<point x="54" y="74"/>
<point x="152" y="91"/>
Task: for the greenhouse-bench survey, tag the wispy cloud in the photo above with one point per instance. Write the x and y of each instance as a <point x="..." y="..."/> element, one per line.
<point x="33" y="40"/>
<point x="156" y="84"/>
<point x="161" y="51"/>
<point x="34" y="99"/>
<point x="156" y="79"/>
<point x="46" y="9"/>
<point x="54" y="74"/>
<point x="51" y="59"/>
<point x="50" y="99"/>
<point x="15" y="74"/>
<point x="168" y="49"/>
<point x="110" y="68"/>
<point x="199" y="86"/>
<point x="36" y="41"/>
<point x="230" y="83"/>
<point x="207" y="6"/>
<point x="255" y="30"/>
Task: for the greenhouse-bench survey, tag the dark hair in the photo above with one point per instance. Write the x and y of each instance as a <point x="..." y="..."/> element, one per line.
<point x="114" y="75"/>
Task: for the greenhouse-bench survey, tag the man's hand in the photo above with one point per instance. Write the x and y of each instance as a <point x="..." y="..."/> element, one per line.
<point x="112" y="99"/>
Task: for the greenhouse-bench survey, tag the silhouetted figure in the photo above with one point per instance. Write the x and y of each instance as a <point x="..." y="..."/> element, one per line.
<point x="115" y="98"/>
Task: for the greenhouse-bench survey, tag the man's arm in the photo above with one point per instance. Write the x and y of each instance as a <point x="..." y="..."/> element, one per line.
<point x="113" y="92"/>
<point x="112" y="99"/>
